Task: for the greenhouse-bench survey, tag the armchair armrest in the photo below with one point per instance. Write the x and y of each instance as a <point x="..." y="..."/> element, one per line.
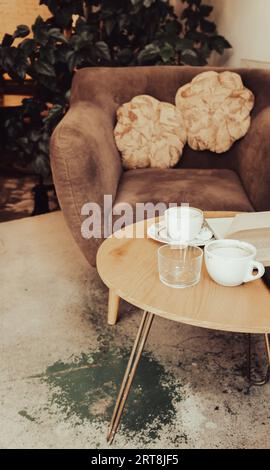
<point x="85" y="166"/>
<point x="253" y="161"/>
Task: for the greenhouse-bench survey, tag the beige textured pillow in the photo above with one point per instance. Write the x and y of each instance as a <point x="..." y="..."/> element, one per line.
<point x="216" y="110"/>
<point x="149" y="133"/>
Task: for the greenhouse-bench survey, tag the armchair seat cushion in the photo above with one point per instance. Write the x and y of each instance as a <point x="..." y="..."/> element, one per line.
<point x="209" y="189"/>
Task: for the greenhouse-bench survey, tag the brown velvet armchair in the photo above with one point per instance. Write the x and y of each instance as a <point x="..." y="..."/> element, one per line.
<point x="86" y="163"/>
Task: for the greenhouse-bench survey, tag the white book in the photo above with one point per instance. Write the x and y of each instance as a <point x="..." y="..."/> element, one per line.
<point x="251" y="227"/>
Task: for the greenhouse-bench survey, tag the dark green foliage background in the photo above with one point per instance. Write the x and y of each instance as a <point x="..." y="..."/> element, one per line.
<point x="104" y="33"/>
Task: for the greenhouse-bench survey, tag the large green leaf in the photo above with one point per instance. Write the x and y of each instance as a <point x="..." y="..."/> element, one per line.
<point x="207" y="26"/>
<point x="103" y="50"/>
<point x="183" y="43"/>
<point x="150" y="53"/>
<point x="206" y="10"/>
<point x="148" y="3"/>
<point x="7" y="40"/>
<point x="56" y="34"/>
<point x="28" y="46"/>
<point x="44" y="68"/>
<point x="219" y="43"/>
<point x="54" y="116"/>
<point x="167" y="53"/>
<point x="110" y="24"/>
<point x="40" y="165"/>
<point x="74" y="60"/>
<point x="21" y="31"/>
<point x="190" y="57"/>
<point x="125" y="56"/>
<point x="40" y="31"/>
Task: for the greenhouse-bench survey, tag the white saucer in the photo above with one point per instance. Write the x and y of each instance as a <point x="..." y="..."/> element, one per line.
<point x="158" y="233"/>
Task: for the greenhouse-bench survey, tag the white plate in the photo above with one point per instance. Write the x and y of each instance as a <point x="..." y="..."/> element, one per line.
<point x="158" y="233"/>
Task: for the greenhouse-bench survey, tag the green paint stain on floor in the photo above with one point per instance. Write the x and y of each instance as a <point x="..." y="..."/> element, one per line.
<point x="86" y="388"/>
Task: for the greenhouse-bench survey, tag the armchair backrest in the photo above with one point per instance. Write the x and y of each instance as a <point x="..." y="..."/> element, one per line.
<point x="110" y="87"/>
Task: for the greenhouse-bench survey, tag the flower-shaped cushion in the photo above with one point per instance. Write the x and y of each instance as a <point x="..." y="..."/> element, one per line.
<point x="216" y="110"/>
<point x="149" y="133"/>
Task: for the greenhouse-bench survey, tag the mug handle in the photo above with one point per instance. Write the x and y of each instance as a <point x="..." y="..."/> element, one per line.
<point x="254" y="265"/>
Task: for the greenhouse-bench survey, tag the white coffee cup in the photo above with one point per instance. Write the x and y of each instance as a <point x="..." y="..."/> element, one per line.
<point x="183" y="223"/>
<point x="232" y="262"/>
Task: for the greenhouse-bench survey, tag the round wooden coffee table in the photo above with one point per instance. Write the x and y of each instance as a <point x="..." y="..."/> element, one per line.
<point x="128" y="266"/>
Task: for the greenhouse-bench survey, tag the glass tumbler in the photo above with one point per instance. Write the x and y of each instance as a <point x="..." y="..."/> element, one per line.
<point x="180" y="266"/>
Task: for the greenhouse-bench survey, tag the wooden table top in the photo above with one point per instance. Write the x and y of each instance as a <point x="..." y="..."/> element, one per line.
<point x="129" y="267"/>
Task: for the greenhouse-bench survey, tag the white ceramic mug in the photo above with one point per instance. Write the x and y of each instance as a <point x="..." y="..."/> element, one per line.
<point x="183" y="223"/>
<point x="232" y="262"/>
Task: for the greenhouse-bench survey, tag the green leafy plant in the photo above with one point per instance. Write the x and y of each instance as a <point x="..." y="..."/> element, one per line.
<point x="94" y="33"/>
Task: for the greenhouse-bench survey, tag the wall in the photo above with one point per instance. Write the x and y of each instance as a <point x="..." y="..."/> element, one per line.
<point x="14" y="12"/>
<point x="246" y="24"/>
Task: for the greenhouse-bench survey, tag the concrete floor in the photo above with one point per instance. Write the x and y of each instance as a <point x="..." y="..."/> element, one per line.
<point x="61" y="364"/>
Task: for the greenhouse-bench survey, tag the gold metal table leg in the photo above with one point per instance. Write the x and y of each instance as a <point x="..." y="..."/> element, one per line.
<point x="265" y="380"/>
<point x="133" y="362"/>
